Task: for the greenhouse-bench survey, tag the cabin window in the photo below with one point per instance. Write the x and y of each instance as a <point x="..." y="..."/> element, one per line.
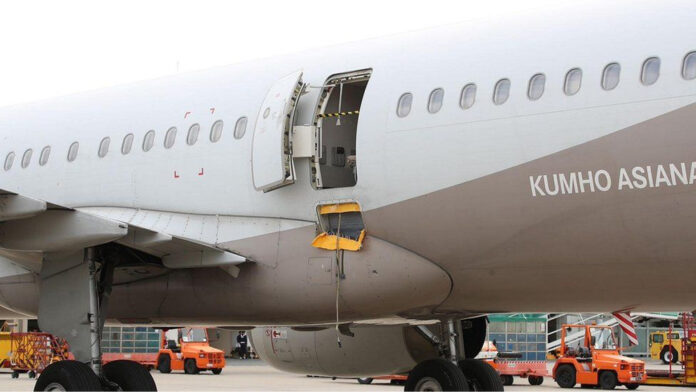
<point x="536" y="86"/>
<point x="650" y="71"/>
<point x="43" y="157"/>
<point x="170" y="137"/>
<point x="72" y="151"/>
<point x="335" y="160"/>
<point x="127" y="144"/>
<point x="104" y="147"/>
<point x="240" y="128"/>
<point x="216" y="131"/>
<point x="573" y="81"/>
<point x="9" y="160"/>
<point x="501" y="93"/>
<point x="611" y="76"/>
<point x="435" y="100"/>
<point x="689" y="66"/>
<point x="403" y="108"/>
<point x="149" y="140"/>
<point x="468" y="97"/>
<point x="192" y="136"/>
<point x="26" y="158"/>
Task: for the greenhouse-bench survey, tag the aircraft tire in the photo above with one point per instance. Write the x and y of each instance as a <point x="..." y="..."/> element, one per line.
<point x="436" y="375"/>
<point x="129" y="376"/>
<point x="68" y="376"/>
<point x="565" y="376"/>
<point x="480" y="375"/>
<point x="365" y="380"/>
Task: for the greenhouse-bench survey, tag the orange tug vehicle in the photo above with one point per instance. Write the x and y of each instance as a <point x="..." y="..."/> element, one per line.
<point x="596" y="361"/>
<point x="188" y="349"/>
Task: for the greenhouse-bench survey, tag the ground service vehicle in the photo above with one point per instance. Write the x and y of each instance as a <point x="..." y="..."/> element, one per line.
<point x="188" y="349"/>
<point x="665" y="345"/>
<point x="595" y="361"/>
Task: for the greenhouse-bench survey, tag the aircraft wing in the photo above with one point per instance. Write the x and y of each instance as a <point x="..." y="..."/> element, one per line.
<point x="30" y="227"/>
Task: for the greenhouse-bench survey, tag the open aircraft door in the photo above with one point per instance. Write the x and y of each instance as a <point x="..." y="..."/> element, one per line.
<point x="271" y="151"/>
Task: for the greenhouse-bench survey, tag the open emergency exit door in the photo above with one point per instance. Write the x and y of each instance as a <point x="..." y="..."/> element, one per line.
<point x="271" y="151"/>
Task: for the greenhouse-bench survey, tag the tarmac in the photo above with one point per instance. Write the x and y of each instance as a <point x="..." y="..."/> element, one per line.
<point x="254" y="375"/>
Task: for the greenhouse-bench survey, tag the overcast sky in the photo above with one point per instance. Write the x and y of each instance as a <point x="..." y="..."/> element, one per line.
<point x="59" y="47"/>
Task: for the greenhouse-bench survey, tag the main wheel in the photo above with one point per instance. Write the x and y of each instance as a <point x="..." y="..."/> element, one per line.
<point x="632" y="386"/>
<point x="565" y="376"/>
<point x="506" y="379"/>
<point x="535" y="380"/>
<point x="365" y="380"/>
<point x="607" y="380"/>
<point x="480" y="375"/>
<point x="129" y="376"/>
<point x="67" y="376"/>
<point x="190" y="366"/>
<point x="436" y="375"/>
<point x="217" y="371"/>
<point x="164" y="364"/>
<point x="669" y="354"/>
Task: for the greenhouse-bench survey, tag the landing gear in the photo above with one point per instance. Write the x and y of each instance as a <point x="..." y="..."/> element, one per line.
<point x="129" y="376"/>
<point x="436" y="375"/>
<point x="74" y="295"/>
<point x="458" y="372"/>
<point x="68" y="376"/>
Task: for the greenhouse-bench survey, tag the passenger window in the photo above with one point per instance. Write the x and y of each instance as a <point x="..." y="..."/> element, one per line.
<point x="689" y="67"/>
<point x="26" y="158"/>
<point x="45" y="153"/>
<point x="148" y="140"/>
<point x="127" y="144"/>
<point x="611" y="76"/>
<point x="651" y="71"/>
<point x="170" y="137"/>
<point x="104" y="147"/>
<point x="240" y="128"/>
<point x="468" y="96"/>
<point x="72" y="151"/>
<point x="435" y="100"/>
<point x="403" y="108"/>
<point x="192" y="136"/>
<point x="501" y="93"/>
<point x="9" y="160"/>
<point x="216" y="131"/>
<point x="573" y="81"/>
<point x="536" y="86"/>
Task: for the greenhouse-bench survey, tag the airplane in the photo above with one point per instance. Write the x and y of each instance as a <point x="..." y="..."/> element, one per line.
<point x="371" y="197"/>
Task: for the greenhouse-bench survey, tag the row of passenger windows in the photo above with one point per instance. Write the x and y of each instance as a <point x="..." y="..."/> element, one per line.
<point x="611" y="75"/>
<point x="127" y="143"/>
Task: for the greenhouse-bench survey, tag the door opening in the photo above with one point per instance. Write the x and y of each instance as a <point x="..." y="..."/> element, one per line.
<point x="334" y="164"/>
